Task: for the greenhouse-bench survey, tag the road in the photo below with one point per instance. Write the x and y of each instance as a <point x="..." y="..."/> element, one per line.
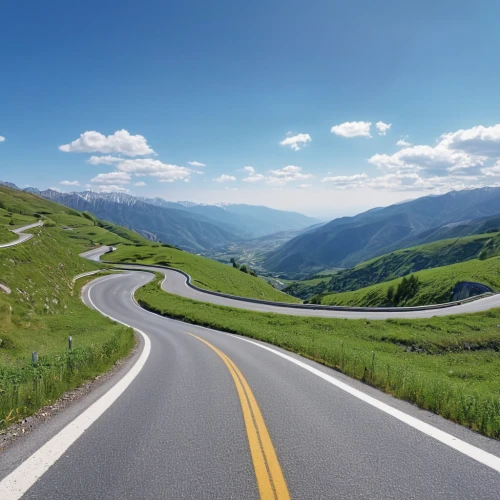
<point x="176" y="283"/>
<point x="210" y="415"/>
<point x="22" y="236"/>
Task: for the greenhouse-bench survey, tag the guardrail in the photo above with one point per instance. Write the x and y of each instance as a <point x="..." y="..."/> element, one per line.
<point x="312" y="307"/>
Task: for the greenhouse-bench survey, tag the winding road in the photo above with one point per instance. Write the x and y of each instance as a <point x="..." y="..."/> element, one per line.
<point x="201" y="414"/>
<point x="176" y="283"/>
<point x="22" y="235"/>
<point x="209" y="415"/>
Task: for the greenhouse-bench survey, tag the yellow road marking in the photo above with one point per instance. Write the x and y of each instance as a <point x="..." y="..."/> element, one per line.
<point x="270" y="479"/>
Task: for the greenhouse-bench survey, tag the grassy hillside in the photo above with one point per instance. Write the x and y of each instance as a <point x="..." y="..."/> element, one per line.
<point x="401" y="263"/>
<point x="44" y="307"/>
<point x="348" y="241"/>
<point x="447" y="365"/>
<point x="435" y="285"/>
<point x="206" y="273"/>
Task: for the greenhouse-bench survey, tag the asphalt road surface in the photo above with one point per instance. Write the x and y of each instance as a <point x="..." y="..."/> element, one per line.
<point x="22" y="236"/>
<point x="176" y="283"/>
<point x="210" y="415"/>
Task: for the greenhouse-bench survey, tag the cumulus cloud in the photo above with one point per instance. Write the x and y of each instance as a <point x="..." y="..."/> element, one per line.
<point x="225" y="178"/>
<point x="110" y="189"/>
<point x="492" y="171"/>
<point x="104" y="160"/>
<point x="121" y="142"/>
<point x="296" y="142"/>
<point x="431" y="158"/>
<point x="352" y="129"/>
<point x="140" y="184"/>
<point x="112" y="178"/>
<point x="403" y="142"/>
<point x="403" y="181"/>
<point x="477" y="141"/>
<point x="345" y="181"/>
<point x="252" y="175"/>
<point x="382" y="127"/>
<point x="196" y="164"/>
<point x="2" y="138"/>
<point x="69" y="183"/>
<point x="164" y="172"/>
<point x="287" y="174"/>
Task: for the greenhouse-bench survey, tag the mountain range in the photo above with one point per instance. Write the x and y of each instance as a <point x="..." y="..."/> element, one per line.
<point x="193" y="227"/>
<point x="347" y="241"/>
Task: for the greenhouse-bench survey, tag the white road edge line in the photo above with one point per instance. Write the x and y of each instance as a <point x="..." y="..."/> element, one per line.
<point x="457" y="444"/>
<point x="19" y="481"/>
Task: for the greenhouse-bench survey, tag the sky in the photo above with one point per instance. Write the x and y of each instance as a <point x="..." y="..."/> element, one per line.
<point x="323" y="107"/>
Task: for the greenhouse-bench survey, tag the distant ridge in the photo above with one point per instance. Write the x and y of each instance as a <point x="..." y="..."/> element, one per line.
<point x="347" y="241"/>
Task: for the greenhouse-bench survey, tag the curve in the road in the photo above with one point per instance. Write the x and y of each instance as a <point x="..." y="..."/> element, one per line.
<point x="22" y="235"/>
<point x="177" y="282"/>
<point x="179" y="432"/>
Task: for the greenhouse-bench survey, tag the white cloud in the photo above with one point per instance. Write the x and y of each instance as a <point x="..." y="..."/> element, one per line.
<point x="437" y="158"/>
<point x="69" y="183"/>
<point x="305" y="186"/>
<point x="140" y="184"/>
<point x="196" y="164"/>
<point x="104" y="160"/>
<point x="404" y="181"/>
<point x="382" y="127"/>
<point x="477" y="141"/>
<point x="225" y="178"/>
<point x="112" y="178"/>
<point x="287" y="174"/>
<point x="345" y="181"/>
<point x="121" y="142"/>
<point x="296" y="142"/>
<point x="403" y="142"/>
<point x="252" y="175"/>
<point x="110" y="189"/>
<point x="492" y="171"/>
<point x="352" y="129"/>
<point x="2" y="138"/>
<point x="164" y="172"/>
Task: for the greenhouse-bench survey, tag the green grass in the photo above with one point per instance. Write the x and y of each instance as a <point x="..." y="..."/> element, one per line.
<point x="448" y="365"/>
<point x="305" y="289"/>
<point x="436" y="285"/>
<point x="205" y="273"/>
<point x="403" y="262"/>
<point x="44" y="308"/>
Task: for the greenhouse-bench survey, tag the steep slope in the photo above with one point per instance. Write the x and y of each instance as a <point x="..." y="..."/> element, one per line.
<point x="435" y="286"/>
<point x="180" y="228"/>
<point x="401" y="263"/>
<point x="347" y="241"/>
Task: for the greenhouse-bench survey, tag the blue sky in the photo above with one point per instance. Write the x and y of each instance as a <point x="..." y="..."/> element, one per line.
<point x="155" y="85"/>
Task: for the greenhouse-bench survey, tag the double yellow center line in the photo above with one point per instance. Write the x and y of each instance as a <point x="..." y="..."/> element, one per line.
<point x="270" y="479"/>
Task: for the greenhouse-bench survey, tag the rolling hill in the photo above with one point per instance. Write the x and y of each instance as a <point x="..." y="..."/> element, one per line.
<point x="193" y="227"/>
<point x="401" y="263"/>
<point x="435" y="286"/>
<point x="347" y="241"/>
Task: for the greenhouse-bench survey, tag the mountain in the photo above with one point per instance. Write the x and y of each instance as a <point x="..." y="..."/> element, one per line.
<point x="251" y="220"/>
<point x="177" y="227"/>
<point x="191" y="226"/>
<point x="9" y="184"/>
<point x="347" y="241"/>
<point x="404" y="262"/>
